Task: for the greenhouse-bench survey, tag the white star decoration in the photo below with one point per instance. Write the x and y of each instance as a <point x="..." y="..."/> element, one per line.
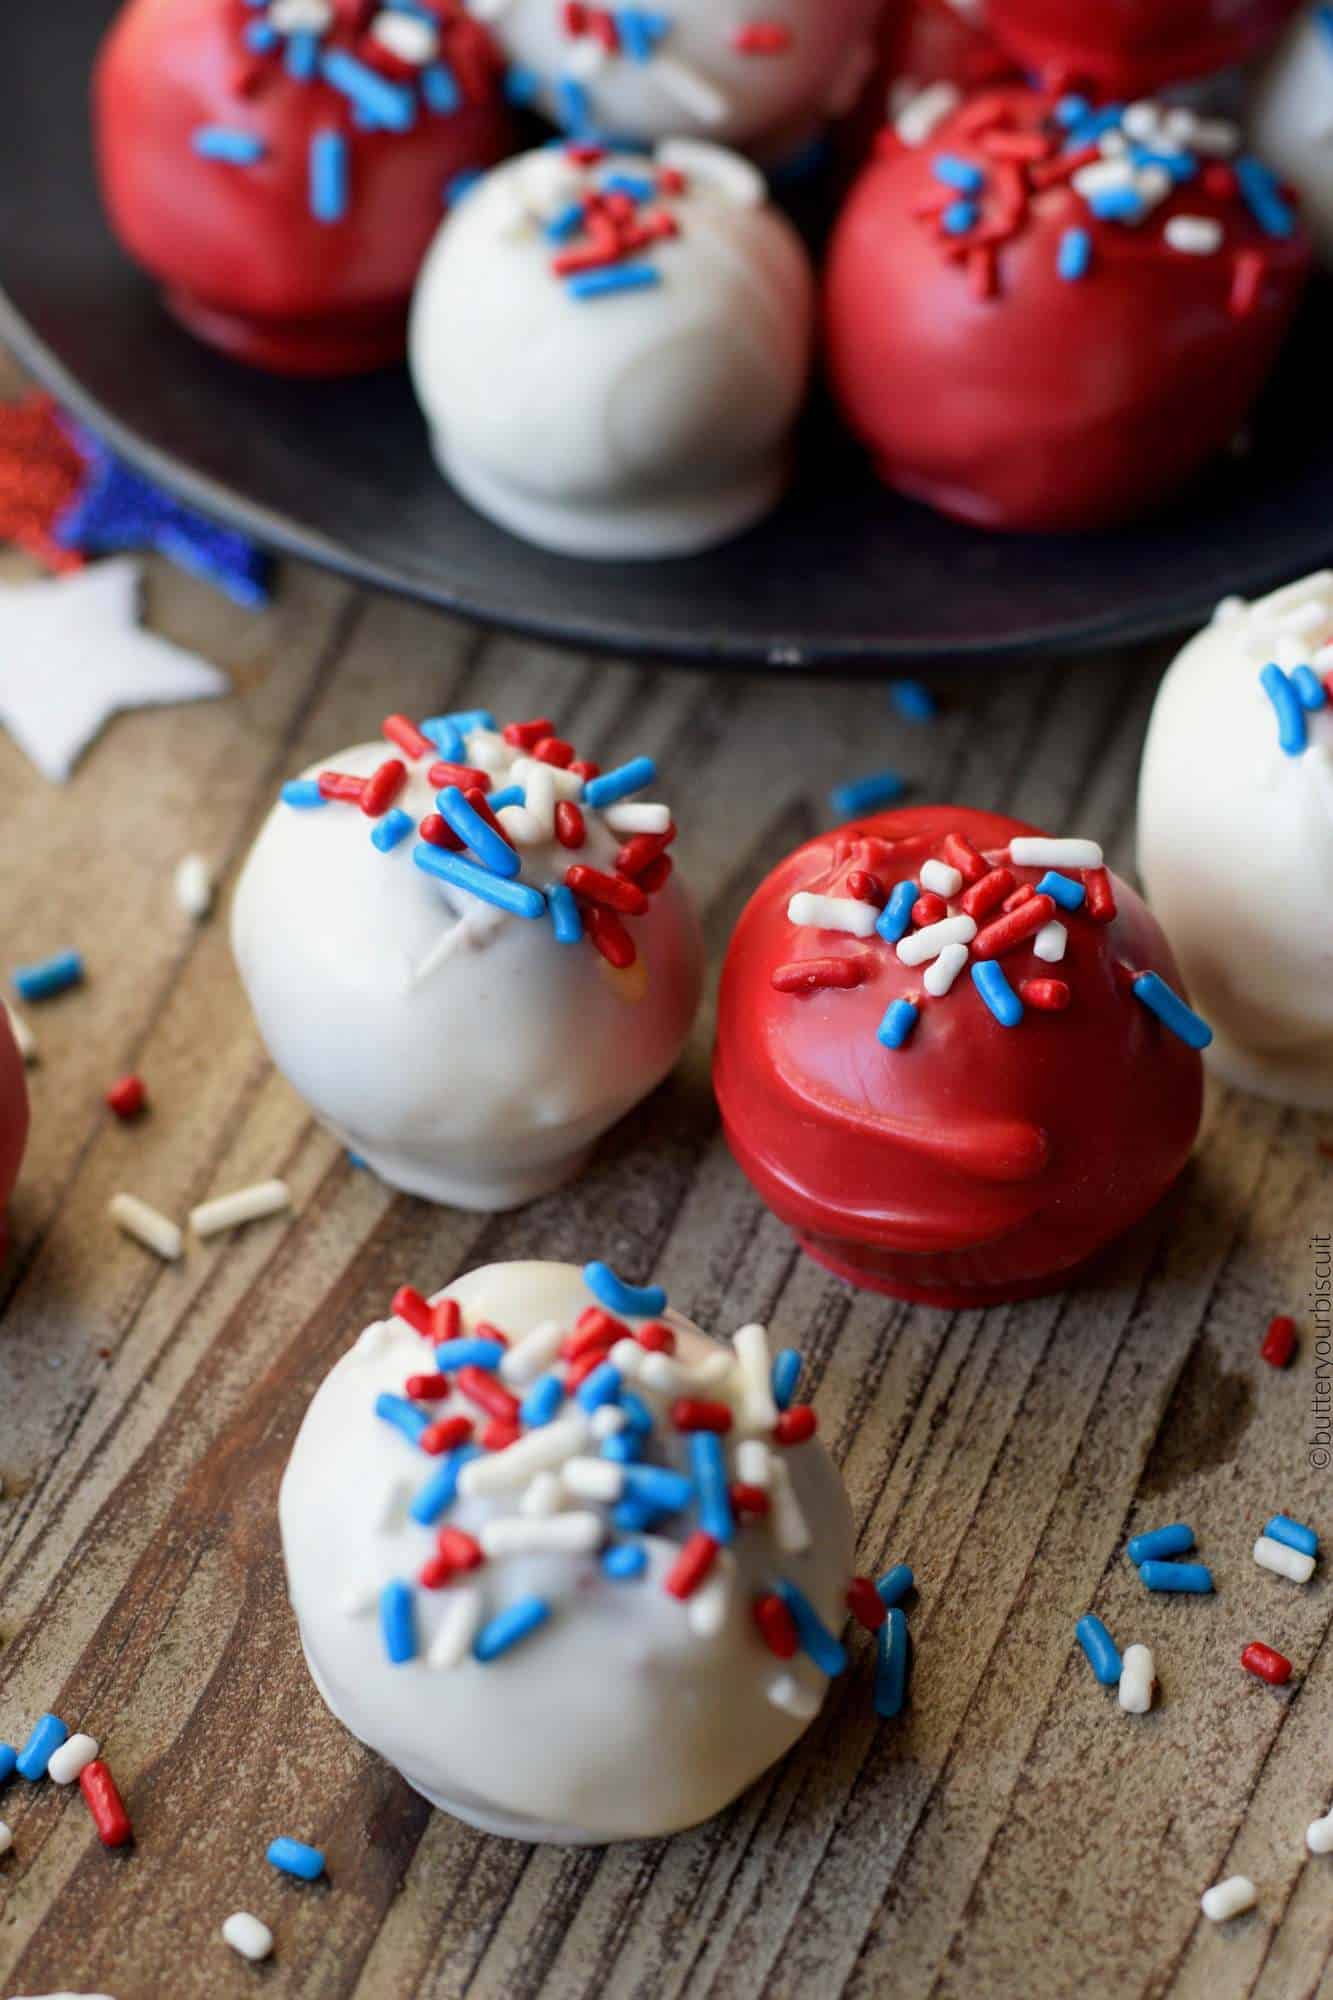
<point x="72" y="655"/>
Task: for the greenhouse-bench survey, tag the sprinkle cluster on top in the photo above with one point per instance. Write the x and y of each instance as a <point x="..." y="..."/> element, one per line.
<point x="1294" y="624"/>
<point x="383" y="66"/>
<point x="506" y="797"/>
<point x="588" y="1439"/>
<point x="1123" y="161"/>
<point x="966" y="909"/>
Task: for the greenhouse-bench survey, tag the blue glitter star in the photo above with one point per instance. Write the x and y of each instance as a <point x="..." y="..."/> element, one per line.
<point x="120" y="510"/>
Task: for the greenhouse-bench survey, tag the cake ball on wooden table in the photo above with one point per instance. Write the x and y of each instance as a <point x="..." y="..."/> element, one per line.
<point x="954" y="1054"/>
<point x="466" y="948"/>
<point x="571" y="1565"/>
<point x="1045" y="315"/>
<point x="1135" y="45"/>
<point x="1291" y="119"/>
<point x="1236" y="835"/>
<point x="13" y="1116"/>
<point x="611" y="351"/>
<point x="279" y="166"/>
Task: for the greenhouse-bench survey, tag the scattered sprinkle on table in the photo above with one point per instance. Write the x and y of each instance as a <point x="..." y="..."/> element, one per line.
<point x="293" y="1857"/>
<point x="246" y="1935"/>
<point x="146" y="1225"/>
<point x="1228" y="1899"/>
<point x="248" y="1204"/>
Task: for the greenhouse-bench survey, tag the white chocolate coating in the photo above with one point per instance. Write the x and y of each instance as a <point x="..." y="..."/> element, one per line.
<point x="1291" y="121"/>
<point x="631" y="1713"/>
<point x="466" y="1055"/>
<point x="696" y="82"/>
<point x="646" y="423"/>
<point x="1236" y="844"/>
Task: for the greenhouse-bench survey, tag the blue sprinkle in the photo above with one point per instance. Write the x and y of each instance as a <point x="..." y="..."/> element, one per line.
<point x="260" y="38"/>
<point x="9" y="1758"/>
<point x="542" y="1401"/>
<point x="640" y="33"/>
<point x="894" y="1585"/>
<point x="441" y="1489"/>
<point x="444" y="733"/>
<point x="600" y="1385"/>
<point x="1074" y="259"/>
<point x="49" y="976"/>
<point x="1090" y="124"/>
<point x="959" y="217"/>
<point x="1180" y="166"/>
<point x="998" y="994"/>
<point x="786" y="1373"/>
<point x="355" y="1160"/>
<point x="912" y="700"/>
<point x="1063" y="889"/>
<point x="1072" y="110"/>
<point x="627" y="1301"/>
<point x="491" y="848"/>
<point x="304" y="794"/>
<point x="1196" y="1579"/>
<point x="900" y="1017"/>
<point x="638" y="1417"/>
<point x="521" y="85"/>
<point x="892" y="1657"/>
<point x="1171" y="1010"/>
<point x="394" y="827"/>
<point x="223" y="142"/>
<point x="516" y="897"/>
<point x="571" y="104"/>
<point x="302" y="57"/>
<point x="402" y="1414"/>
<point x="48" y="1734"/>
<point x="440" y="90"/>
<point x="623" y="1447"/>
<point x="328" y="177"/>
<point x="398" y="1623"/>
<point x="1293" y="1534"/>
<point x="468" y="1352"/>
<point x="956" y="173"/>
<point x="1291" y="731"/>
<point x="1103" y="1656"/>
<point x="565" y="914"/>
<point x="828" y="1654"/>
<point x="1310" y="690"/>
<point x="1117" y="204"/>
<point x="1262" y="196"/>
<point x="613" y="278"/>
<point x="566" y="222"/>
<point x="624" y="1562"/>
<point x="893" y="920"/>
<point x="863" y="795"/>
<point x="659" y="1486"/>
<point x="639" y="187"/>
<point x="466" y="720"/>
<point x="461" y="185"/>
<point x="508" y="795"/>
<point x="1324" y="19"/>
<point x="634" y="1516"/>
<point x="708" y="1462"/>
<point x="512" y="1625"/>
<point x="385" y="103"/>
<point x="612" y="786"/>
<point x="293" y="1857"/>
<point x="1175" y="1540"/>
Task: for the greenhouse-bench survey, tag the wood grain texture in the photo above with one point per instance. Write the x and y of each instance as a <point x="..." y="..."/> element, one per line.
<point x="1013" y="1834"/>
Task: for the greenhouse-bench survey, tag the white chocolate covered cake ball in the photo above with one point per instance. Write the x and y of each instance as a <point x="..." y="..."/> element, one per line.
<point x="766" y="81"/>
<point x="465" y="948"/>
<point x="577" y="1570"/>
<point x="611" y="351"/>
<point x="1236" y="836"/>
<point x="1291" y="119"/>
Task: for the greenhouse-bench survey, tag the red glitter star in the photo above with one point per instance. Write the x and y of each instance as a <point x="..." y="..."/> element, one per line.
<point x="41" y="474"/>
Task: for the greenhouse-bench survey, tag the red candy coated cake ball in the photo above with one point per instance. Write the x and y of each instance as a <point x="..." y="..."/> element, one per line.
<point x="13" y="1117"/>
<point x="975" y="1162"/>
<point x="281" y="169"/>
<point x="1047" y="317"/>
<point x="1131" y="46"/>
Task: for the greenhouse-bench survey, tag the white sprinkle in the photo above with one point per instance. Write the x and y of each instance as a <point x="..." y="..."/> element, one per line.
<point x="632" y="816"/>
<point x="708" y="1606"/>
<point x="247" y="1935"/>
<point x="406" y="36"/>
<point x="536" y="1451"/>
<point x="570" y="1534"/>
<point x="249" y="1204"/>
<point x="786" y="1692"/>
<point x="628" y="1358"/>
<point x="193" y="883"/>
<point x="790" y="1530"/>
<point x="754" y="1463"/>
<point x="941" y="879"/>
<point x="1034" y="850"/>
<point x="930" y="940"/>
<point x="1228" y="1899"/>
<point x="301" y="17"/>
<point x="1196" y="235"/>
<point x="1103" y="177"/>
<point x="606" y="1421"/>
<point x="539" y="798"/>
<point x="146" y="1225"/>
<point x="488" y="751"/>
<point x="1319" y="1835"/>
<point x="593" y="1478"/>
<point x="458" y="1627"/>
<point x="939" y="976"/>
<point x="1207" y="135"/>
<point x="524" y="1361"/>
<point x="521" y="827"/>
<point x="543" y="1495"/>
<point x="70" y="1758"/>
<point x="1136" y="1680"/>
<point x="1228" y="608"/>
<point x="1274" y="1555"/>
<point x="833" y="913"/>
<point x="1142" y="120"/>
<point x="23" y="1035"/>
<point x="673" y="1378"/>
<point x="565" y="784"/>
<point x="758" y="1411"/>
<point x="1050" y="942"/>
<point x="6" y="1838"/>
<point x="917" y="119"/>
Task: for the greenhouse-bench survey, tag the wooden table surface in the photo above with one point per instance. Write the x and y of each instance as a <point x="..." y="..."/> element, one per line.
<point x="1013" y="1833"/>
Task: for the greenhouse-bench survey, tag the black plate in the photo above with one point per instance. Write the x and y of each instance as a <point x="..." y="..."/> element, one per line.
<point x="843" y="575"/>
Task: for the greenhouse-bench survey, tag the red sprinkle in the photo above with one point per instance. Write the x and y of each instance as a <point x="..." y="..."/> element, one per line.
<point x="1048" y="996"/>
<point x="584" y="767"/>
<point x="554" y="750"/>
<point x="795" y="1425"/>
<point x="761" y="38"/>
<point x="978" y="901"/>
<point x="694" y="1413"/>
<point x="459" y="1548"/>
<point x="427" y="1388"/>
<point x="658" y="1339"/>
<point x="446" y="1435"/>
<point x="482" y="1389"/>
<point x="435" y="1572"/>
<point x="578" y="1371"/>
<point x="1022" y="894"/>
<point x="692" y="1565"/>
<point x="463" y="775"/>
<point x="777" y="1627"/>
<point x="1247" y="277"/>
<point x="498" y="1436"/>
<point x="611" y="891"/>
<point x="382" y="787"/>
<point x="865" y="1603"/>
<point x="642" y="851"/>
<point x="748" y="1499"/>
<point x="609" y="936"/>
<point x="570" y="829"/>
<point x="595" y="1330"/>
<point x="105" y="1804"/>
<point x="1100" y="903"/>
<point x="434" y="829"/>
<point x="408" y="1304"/>
<point x="127" y="1096"/>
<point x="398" y="729"/>
<point x="447" y="1321"/>
<point x="1014" y="928"/>
<point x="958" y="851"/>
<point x="340" y="785"/>
<point x="1279" y="1341"/>
<point x="810" y="975"/>
<point x="655" y="875"/>
<point x="527" y="735"/>
<point x="866" y="888"/>
<point x="1269" y="1666"/>
<point x="929" y="909"/>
